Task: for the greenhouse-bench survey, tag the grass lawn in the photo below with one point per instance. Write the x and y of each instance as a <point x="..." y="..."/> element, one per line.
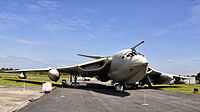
<point x="178" y="88"/>
<point x="34" y="80"/>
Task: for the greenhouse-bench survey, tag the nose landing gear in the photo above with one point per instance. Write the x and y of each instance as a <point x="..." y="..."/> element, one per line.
<point x="119" y="87"/>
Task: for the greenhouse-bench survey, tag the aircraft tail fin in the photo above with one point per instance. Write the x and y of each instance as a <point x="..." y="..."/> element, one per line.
<point x="94" y="57"/>
<point x="133" y="48"/>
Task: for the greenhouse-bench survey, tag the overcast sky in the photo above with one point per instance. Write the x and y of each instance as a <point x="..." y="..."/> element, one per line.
<point x="44" y="33"/>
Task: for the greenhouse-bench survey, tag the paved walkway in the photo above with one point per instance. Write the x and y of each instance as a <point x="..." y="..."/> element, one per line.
<point x="105" y="99"/>
<point x="15" y="97"/>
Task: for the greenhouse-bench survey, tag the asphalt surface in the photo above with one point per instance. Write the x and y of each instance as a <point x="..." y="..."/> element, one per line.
<point x="104" y="99"/>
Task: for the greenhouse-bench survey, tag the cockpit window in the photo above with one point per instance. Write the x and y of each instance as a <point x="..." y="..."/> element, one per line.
<point x="131" y="54"/>
<point x="134" y="53"/>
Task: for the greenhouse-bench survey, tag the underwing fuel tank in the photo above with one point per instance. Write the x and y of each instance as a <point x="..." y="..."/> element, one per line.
<point x="22" y="75"/>
<point x="54" y="75"/>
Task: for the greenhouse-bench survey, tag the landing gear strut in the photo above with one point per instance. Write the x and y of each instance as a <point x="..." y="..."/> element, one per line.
<point x="75" y="80"/>
<point x="149" y="82"/>
<point x="70" y="78"/>
<point x="119" y="87"/>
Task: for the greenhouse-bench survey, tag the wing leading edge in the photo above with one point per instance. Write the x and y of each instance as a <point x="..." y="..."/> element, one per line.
<point x="97" y="67"/>
<point x="158" y="77"/>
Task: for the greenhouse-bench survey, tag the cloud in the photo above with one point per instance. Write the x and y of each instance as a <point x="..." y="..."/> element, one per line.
<point x="79" y="23"/>
<point x="62" y="62"/>
<point x="158" y="32"/>
<point x="43" y="4"/>
<point x="169" y="60"/>
<point x="194" y="13"/>
<point x="51" y="23"/>
<point x="65" y="25"/>
<point x="103" y="29"/>
<point x="19" y="62"/>
<point x="73" y="45"/>
<point x="18" y="40"/>
<point x="27" y="42"/>
<point x="45" y="15"/>
<point x="12" y="17"/>
<point x="27" y="63"/>
<point x="180" y="67"/>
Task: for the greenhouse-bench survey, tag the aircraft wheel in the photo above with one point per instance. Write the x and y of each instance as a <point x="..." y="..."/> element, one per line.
<point x="119" y="87"/>
<point x="112" y="83"/>
<point x="64" y="82"/>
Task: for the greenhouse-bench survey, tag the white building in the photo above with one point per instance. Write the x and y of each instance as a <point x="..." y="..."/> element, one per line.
<point x="190" y="80"/>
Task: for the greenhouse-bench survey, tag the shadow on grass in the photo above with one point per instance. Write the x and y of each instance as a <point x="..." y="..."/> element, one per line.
<point x="99" y="88"/>
<point x="32" y="82"/>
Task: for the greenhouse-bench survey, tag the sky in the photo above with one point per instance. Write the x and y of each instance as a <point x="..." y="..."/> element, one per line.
<point x="50" y="33"/>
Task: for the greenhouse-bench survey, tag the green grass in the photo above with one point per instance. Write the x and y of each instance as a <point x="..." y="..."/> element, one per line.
<point x="178" y="88"/>
<point x="33" y="80"/>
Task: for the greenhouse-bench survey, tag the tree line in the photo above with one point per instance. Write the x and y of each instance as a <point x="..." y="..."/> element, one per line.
<point x="7" y="69"/>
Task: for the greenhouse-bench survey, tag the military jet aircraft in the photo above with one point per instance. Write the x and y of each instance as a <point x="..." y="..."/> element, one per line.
<point x="125" y="67"/>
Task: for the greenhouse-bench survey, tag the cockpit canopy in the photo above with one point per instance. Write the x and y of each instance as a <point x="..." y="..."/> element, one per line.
<point x="133" y="53"/>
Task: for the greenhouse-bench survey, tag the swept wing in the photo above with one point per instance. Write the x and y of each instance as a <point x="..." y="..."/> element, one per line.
<point x="97" y="68"/>
<point x="158" y="77"/>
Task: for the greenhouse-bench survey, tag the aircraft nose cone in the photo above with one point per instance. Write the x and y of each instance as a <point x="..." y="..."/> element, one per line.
<point x="141" y="60"/>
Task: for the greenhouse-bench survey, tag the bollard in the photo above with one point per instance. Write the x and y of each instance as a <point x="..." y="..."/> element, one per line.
<point x="62" y="96"/>
<point x="145" y="104"/>
<point x="24" y="86"/>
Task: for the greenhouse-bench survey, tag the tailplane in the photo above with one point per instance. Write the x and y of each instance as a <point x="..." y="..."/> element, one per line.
<point x="94" y="57"/>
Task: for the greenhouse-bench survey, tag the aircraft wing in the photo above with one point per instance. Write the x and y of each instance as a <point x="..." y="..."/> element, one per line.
<point x="152" y="72"/>
<point x="178" y="77"/>
<point x="93" y="68"/>
<point x="29" y="70"/>
<point x="158" y="77"/>
<point x="87" y="68"/>
<point x="69" y="69"/>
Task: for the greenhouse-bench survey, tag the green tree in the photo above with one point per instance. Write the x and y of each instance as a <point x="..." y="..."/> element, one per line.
<point x="198" y="77"/>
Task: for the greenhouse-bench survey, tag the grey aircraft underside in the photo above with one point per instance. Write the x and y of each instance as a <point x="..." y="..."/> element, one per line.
<point x="124" y="67"/>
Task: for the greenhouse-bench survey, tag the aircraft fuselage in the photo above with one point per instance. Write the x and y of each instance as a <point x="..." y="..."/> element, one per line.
<point x="128" y="66"/>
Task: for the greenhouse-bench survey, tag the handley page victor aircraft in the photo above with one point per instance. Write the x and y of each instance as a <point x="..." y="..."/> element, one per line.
<point x="125" y="67"/>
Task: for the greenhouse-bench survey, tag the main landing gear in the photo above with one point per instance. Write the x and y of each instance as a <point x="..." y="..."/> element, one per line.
<point x="75" y="83"/>
<point x="118" y="86"/>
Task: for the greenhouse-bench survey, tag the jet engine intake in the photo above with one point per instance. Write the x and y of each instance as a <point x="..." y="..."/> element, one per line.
<point x="22" y="75"/>
<point x="98" y="69"/>
<point x="54" y="75"/>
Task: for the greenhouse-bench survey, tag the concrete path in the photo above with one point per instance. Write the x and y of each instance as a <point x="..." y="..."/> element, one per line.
<point x="16" y="97"/>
